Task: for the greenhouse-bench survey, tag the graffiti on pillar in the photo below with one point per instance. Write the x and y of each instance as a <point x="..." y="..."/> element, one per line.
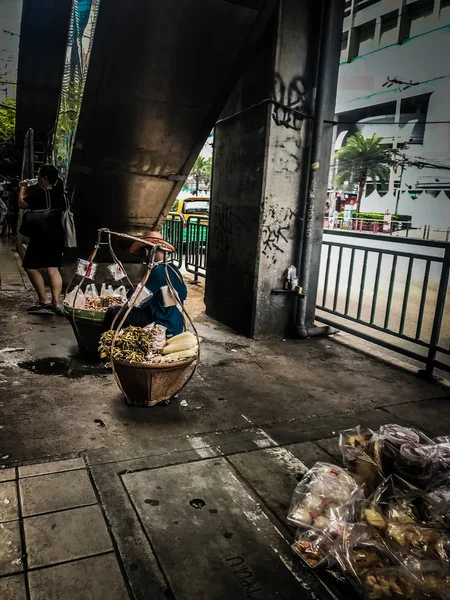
<point x="229" y="227"/>
<point x="289" y="101"/>
<point x="275" y="233"/>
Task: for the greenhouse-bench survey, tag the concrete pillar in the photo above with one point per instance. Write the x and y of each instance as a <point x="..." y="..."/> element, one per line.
<point x="261" y="171"/>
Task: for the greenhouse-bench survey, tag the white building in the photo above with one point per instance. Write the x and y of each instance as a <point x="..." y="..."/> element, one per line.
<point x="408" y="41"/>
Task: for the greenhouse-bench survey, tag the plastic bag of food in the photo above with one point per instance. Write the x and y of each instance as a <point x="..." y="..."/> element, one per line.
<point x="415" y="541"/>
<point x="359" y="550"/>
<point x="357" y="449"/>
<point x="394" y="582"/>
<point x="389" y="441"/>
<point x="76" y="295"/>
<point x="117" y="271"/>
<point x="417" y="464"/>
<point x="157" y="335"/>
<point x="325" y="492"/>
<point x="436" y="506"/>
<point x="313" y="547"/>
<point x="86" y="268"/>
<point x="433" y="578"/>
<point x="140" y="295"/>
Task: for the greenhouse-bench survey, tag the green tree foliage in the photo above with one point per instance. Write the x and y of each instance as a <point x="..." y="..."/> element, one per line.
<point x="361" y="158"/>
<point x="7" y="127"/>
<point x="201" y="171"/>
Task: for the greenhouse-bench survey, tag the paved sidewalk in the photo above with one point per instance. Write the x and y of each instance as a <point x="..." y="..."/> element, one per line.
<point x="12" y="276"/>
<point x="103" y="501"/>
<point x="54" y="542"/>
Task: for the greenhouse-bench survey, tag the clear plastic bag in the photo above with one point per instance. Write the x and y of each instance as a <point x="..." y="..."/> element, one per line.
<point x="394" y="582"/>
<point x="436" y="506"/>
<point x="141" y="294"/>
<point x="359" y="550"/>
<point x="76" y="295"/>
<point x="117" y="271"/>
<point x="325" y="493"/>
<point x="86" y="268"/>
<point x="414" y="541"/>
<point x="157" y="335"/>
<point x="389" y="442"/>
<point x="418" y="464"/>
<point x="121" y="292"/>
<point x="313" y="547"/>
<point x="357" y="449"/>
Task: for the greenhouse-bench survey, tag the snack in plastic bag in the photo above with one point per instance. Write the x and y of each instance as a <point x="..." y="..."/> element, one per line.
<point x="395" y="582"/>
<point x="389" y="441"/>
<point x="436" y="506"/>
<point x="357" y="449"/>
<point x="86" y="269"/>
<point x="417" y="464"/>
<point x="117" y="271"/>
<point x="157" y="336"/>
<point x="358" y="550"/>
<point x="313" y="547"/>
<point x="420" y="542"/>
<point x="323" y="491"/>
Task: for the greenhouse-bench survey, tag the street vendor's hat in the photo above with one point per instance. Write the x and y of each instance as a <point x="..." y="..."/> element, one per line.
<point x="153" y="238"/>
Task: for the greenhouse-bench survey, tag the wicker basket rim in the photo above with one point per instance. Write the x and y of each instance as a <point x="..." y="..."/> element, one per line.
<point x="150" y="366"/>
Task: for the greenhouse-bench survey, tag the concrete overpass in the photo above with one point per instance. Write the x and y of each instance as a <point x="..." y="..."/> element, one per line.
<point x="161" y="76"/>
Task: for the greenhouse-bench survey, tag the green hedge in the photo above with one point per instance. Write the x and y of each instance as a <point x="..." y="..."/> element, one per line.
<point x="378" y="216"/>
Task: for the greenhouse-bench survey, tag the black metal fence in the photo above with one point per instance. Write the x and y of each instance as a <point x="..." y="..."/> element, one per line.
<point x="391" y="291"/>
<point x="190" y="238"/>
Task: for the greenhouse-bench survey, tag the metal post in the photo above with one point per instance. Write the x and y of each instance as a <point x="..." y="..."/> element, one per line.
<point x="438" y="316"/>
<point x="399" y="191"/>
<point x="311" y="237"/>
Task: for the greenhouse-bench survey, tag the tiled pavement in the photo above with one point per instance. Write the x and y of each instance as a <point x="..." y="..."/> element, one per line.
<point x="54" y="541"/>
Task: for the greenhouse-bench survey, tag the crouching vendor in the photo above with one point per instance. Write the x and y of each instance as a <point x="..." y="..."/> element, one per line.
<point x="160" y="306"/>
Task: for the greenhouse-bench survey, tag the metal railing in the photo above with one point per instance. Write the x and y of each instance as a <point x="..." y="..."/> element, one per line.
<point x="390" y="291"/>
<point x="190" y="238"/>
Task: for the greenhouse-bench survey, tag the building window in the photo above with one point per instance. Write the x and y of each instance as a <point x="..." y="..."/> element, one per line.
<point x="344" y="44"/>
<point x="347" y="8"/>
<point x="362" y="4"/>
<point x="388" y="32"/>
<point x="364" y="41"/>
<point x="416" y="18"/>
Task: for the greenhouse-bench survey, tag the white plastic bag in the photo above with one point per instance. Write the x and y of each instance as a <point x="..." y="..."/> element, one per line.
<point x="86" y="269"/>
<point x="121" y="292"/>
<point x="117" y="271"/>
<point x="76" y="295"/>
<point x="91" y="291"/>
<point x="141" y="295"/>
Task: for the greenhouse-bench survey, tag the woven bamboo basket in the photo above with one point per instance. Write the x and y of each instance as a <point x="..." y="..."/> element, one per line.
<point x="147" y="385"/>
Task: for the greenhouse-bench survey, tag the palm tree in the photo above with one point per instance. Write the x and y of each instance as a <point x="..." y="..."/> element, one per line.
<point x="201" y="171"/>
<point x="361" y="158"/>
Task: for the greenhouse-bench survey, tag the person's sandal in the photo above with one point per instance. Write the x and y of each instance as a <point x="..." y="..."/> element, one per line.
<point x="57" y="310"/>
<point x="40" y="306"/>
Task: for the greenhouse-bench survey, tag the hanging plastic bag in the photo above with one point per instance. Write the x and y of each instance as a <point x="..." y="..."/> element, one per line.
<point x="104" y="290"/>
<point x="86" y="269"/>
<point x="140" y="295"/>
<point x="117" y="271"/>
